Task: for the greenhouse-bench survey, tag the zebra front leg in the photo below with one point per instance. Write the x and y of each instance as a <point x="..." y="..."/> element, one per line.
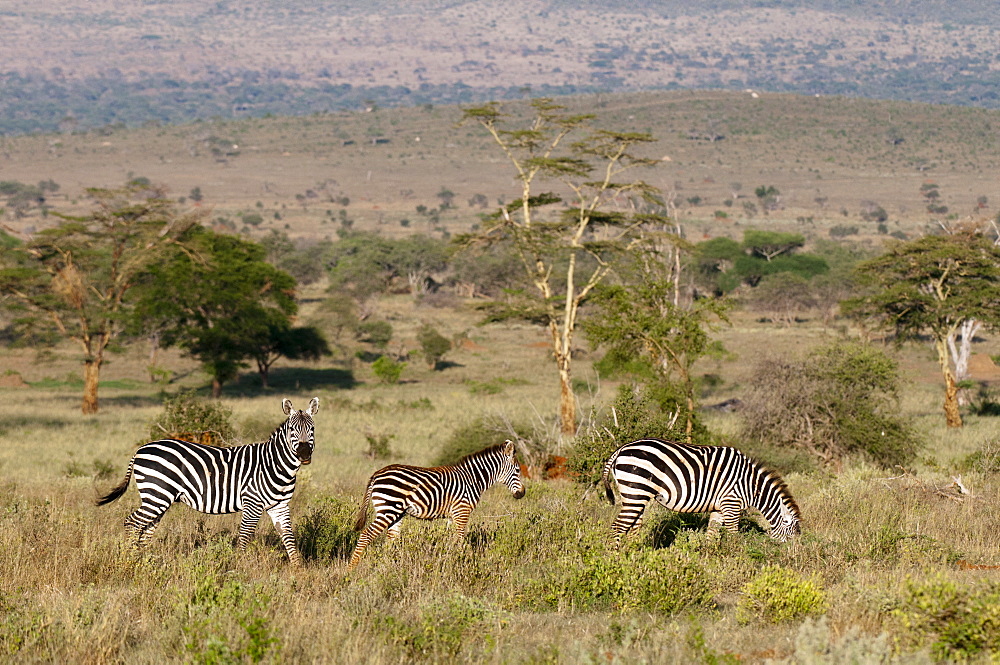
<point x="282" y="520"/>
<point x="460" y="515"/>
<point x="731" y="518"/>
<point x="248" y="524"/>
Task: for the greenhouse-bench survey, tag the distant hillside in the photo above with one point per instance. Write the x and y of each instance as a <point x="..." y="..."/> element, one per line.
<point x="77" y="64"/>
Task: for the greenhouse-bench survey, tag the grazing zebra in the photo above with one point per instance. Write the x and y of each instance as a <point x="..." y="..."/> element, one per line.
<point x="696" y="479"/>
<point x="251" y="478"/>
<point x="434" y="493"/>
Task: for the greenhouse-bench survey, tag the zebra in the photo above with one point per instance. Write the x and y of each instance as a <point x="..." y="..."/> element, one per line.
<point x="250" y="479"/>
<point x="696" y="479"/>
<point x="434" y="493"/>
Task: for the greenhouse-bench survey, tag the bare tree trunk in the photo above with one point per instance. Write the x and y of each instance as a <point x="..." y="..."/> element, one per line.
<point x="91" y="377"/>
<point x="216" y="388"/>
<point x="952" y="414"/>
<point x="567" y="400"/>
<point x="154" y="353"/>
<point x="961" y="351"/>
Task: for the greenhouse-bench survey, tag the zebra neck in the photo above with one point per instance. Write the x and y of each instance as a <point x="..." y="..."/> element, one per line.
<point x="769" y="500"/>
<point x="286" y="463"/>
<point x="479" y="478"/>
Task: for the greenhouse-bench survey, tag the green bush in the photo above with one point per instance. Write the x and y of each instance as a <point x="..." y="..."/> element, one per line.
<point x="840" y="400"/>
<point x="664" y="581"/>
<point x="376" y="333"/>
<point x="442" y="628"/>
<point x="986" y="460"/>
<point x="957" y="621"/>
<point x="388" y="370"/>
<point x="475" y="436"/>
<point x="223" y="620"/>
<point x="188" y="417"/>
<point x="433" y="345"/>
<point x="778" y="594"/>
<point x="326" y="529"/>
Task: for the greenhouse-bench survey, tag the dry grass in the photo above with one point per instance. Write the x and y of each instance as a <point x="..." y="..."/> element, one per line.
<point x="72" y="591"/>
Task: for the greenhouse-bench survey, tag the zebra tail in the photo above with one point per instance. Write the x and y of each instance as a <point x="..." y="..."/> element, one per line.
<point x="606" y="478"/>
<point x="363" y="512"/>
<point x="120" y="489"/>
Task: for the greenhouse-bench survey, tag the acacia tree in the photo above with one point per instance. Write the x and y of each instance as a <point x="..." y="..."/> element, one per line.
<point x="644" y="318"/>
<point x="565" y="247"/>
<point x="223" y="304"/>
<point x="932" y="286"/>
<point x="77" y="277"/>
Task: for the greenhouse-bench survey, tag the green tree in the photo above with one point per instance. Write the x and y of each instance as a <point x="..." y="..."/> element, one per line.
<point x="78" y="277"/>
<point x="575" y="240"/>
<point x="221" y="302"/>
<point x="281" y="340"/>
<point x="365" y="265"/>
<point x="643" y="319"/>
<point x="768" y="196"/>
<point x="770" y="244"/>
<point x="931" y="286"/>
<point x="782" y="296"/>
<point x="433" y="344"/>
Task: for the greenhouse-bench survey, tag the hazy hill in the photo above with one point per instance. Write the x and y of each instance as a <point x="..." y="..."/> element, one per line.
<point x="832" y="158"/>
<point x="88" y="63"/>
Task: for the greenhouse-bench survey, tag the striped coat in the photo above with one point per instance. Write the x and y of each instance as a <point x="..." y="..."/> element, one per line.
<point x="250" y="479"/>
<point x="433" y="493"/>
<point x="686" y="478"/>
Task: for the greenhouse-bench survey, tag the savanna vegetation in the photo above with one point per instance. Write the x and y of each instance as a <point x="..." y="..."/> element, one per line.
<point x="425" y="344"/>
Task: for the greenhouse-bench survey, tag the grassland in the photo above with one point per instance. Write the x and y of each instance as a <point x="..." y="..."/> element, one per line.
<point x="891" y="553"/>
<point x="893" y="565"/>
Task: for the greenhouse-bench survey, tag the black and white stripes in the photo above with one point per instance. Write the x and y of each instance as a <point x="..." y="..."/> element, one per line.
<point x="433" y="493"/>
<point x="696" y="479"/>
<point x="250" y="479"/>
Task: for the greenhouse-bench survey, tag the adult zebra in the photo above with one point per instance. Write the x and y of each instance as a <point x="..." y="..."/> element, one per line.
<point x="253" y="478"/>
<point x="696" y="479"/>
<point x="434" y="493"/>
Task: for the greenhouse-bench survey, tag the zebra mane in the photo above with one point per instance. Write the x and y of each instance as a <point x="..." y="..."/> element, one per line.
<point x="781" y="487"/>
<point x="485" y="452"/>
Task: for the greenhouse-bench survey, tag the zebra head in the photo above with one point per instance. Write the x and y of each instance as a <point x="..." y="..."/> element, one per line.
<point x="787" y="523"/>
<point x="510" y="470"/>
<point x="299" y="429"/>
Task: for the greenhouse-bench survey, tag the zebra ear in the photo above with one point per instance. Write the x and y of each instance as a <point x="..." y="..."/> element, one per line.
<point x="286" y="406"/>
<point x="313" y="406"/>
<point x="508" y="448"/>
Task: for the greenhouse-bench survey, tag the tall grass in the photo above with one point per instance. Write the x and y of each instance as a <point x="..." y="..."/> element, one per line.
<point x="882" y="549"/>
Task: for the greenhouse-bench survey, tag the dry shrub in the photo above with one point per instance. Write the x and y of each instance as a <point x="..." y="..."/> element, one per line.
<point x="840" y="400"/>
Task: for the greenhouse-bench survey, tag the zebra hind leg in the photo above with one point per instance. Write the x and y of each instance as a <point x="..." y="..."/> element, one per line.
<point x="141" y="525"/>
<point x="385" y="521"/>
<point x="629" y="519"/>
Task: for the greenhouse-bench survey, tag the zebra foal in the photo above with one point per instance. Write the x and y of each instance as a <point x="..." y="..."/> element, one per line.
<point x="433" y="493"/>
<point x="250" y="479"/>
<point x="686" y="478"/>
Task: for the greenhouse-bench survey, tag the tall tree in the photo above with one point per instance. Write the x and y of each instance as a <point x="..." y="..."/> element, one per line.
<point x="644" y="318"/>
<point x="221" y="302"/>
<point x="565" y="247"/>
<point x="932" y="286"/>
<point x="78" y="277"/>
